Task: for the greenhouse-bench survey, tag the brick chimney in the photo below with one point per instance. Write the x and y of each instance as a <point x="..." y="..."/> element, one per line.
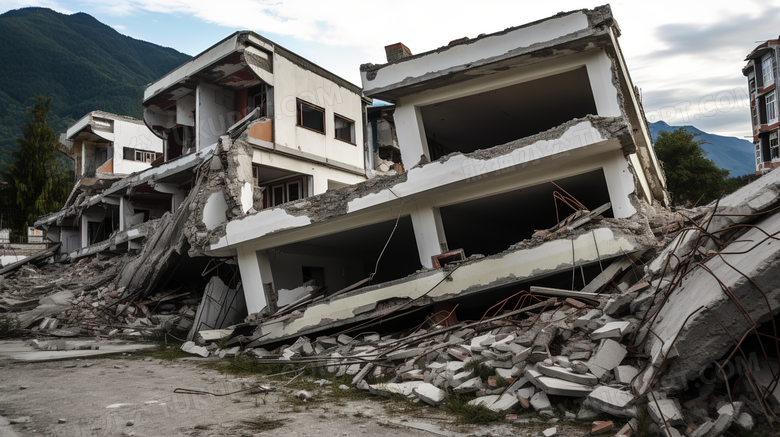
<point x="397" y="51"/>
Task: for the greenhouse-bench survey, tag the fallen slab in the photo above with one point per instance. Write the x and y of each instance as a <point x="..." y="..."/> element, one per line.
<point x="558" y="387"/>
<point x="18" y="351"/>
<point x="612" y="401"/>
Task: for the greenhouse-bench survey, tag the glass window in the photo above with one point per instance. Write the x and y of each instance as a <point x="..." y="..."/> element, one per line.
<point x="311" y="117"/>
<point x="773" y="146"/>
<point x="345" y="129"/>
<point x="771" y="108"/>
<point x="766" y="70"/>
<point x="758" y="154"/>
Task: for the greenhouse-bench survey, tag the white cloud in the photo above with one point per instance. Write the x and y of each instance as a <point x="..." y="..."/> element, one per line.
<point x="674" y="48"/>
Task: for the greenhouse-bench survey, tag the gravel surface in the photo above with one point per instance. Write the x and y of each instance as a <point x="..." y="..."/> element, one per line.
<point x="135" y="396"/>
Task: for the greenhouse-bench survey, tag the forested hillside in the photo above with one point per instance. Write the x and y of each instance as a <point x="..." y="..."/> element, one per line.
<point x="81" y="63"/>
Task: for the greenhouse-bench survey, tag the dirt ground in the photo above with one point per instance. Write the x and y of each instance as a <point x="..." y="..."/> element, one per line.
<point x="134" y="395"/>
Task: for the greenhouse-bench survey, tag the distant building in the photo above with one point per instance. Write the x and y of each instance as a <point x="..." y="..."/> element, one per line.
<point x="761" y="72"/>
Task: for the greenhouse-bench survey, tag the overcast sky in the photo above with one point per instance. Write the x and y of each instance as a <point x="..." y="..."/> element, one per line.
<point x="686" y="56"/>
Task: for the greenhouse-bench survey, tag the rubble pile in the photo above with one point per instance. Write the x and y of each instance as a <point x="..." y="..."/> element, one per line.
<point x="589" y="345"/>
<point x="82" y="299"/>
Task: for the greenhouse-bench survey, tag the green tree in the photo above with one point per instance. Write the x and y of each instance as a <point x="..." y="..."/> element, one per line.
<point x="34" y="183"/>
<point x="691" y="177"/>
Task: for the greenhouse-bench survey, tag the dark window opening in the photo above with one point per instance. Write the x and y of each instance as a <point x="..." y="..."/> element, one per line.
<point x="490" y="225"/>
<point x="345" y="129"/>
<point x="279" y="185"/>
<point x="317" y="274"/>
<point x="311" y="117"/>
<point x="491" y="118"/>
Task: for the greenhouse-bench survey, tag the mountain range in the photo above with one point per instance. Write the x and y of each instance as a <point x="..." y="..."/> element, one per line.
<point x="81" y="63"/>
<point x="733" y="154"/>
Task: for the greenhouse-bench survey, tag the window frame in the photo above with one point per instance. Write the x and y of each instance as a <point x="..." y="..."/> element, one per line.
<point x="299" y="104"/>
<point x="758" y="154"/>
<point x="774" y="149"/>
<point x="770" y="102"/>
<point x="351" y="127"/>
<point x="767" y="73"/>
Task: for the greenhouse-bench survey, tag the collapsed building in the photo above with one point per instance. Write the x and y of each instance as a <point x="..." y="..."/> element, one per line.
<point x="511" y="169"/>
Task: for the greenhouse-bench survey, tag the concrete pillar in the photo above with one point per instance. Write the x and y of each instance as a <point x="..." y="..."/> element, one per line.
<point x="411" y="135"/>
<point x="255" y="268"/>
<point x="84" y="229"/>
<point x="428" y="231"/>
<point x="620" y="183"/>
<point x="126" y="211"/>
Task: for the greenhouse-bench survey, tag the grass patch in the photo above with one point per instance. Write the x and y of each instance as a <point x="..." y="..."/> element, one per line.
<point x="480" y="369"/>
<point x="8" y="324"/>
<point x="263" y="424"/>
<point x="643" y="417"/>
<point x="471" y="414"/>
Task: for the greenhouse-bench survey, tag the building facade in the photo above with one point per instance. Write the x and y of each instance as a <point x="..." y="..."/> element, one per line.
<point x="761" y="73"/>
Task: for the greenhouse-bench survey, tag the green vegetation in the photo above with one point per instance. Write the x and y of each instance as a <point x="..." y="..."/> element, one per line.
<point x="693" y="179"/>
<point x="34" y="183"/>
<point x="8" y="324"/>
<point x="471" y="414"/>
<point x="480" y="369"/>
<point x="83" y="64"/>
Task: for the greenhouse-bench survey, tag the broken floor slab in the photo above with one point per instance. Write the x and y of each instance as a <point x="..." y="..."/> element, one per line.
<point x="523" y="261"/>
<point x="701" y="338"/>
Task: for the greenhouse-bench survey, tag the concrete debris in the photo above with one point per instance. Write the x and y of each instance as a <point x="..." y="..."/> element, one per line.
<point x="609" y="355"/>
<point x="665" y="411"/>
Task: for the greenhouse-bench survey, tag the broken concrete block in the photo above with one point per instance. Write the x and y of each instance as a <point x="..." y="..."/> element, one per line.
<point x="619" y="304"/>
<point x="429" y="393"/>
<point x="580" y="356"/>
<point x="527" y="338"/>
<point x="470" y="386"/>
<point x="555" y="386"/>
<point x="586" y="413"/>
<point x="667" y="410"/>
<point x="460" y="377"/>
<point x="585" y="320"/>
<point x="497" y="403"/>
<point x="304" y="395"/>
<point x="703" y="429"/>
<point x="745" y="421"/>
<point x="389" y="389"/>
<point x="403" y="354"/>
<point x="546" y="336"/>
<point x="549" y="432"/>
<point x="344" y="339"/>
<point x="507" y="373"/>
<point x="559" y="372"/>
<point x="624" y="374"/>
<point x="579" y="367"/>
<point x="540" y="401"/>
<point x="609" y="356"/>
<point x="191" y="348"/>
<point x="612" y="401"/>
<point x="611" y="330"/>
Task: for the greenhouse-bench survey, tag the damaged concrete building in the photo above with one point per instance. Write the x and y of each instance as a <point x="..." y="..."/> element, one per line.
<point x="483" y="128"/>
<point x="505" y="207"/>
<point x="105" y="148"/>
<point x="341" y="213"/>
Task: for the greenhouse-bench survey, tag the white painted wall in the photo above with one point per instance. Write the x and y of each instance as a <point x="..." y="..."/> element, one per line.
<point x="293" y="82"/>
<point x="215" y="114"/>
<point x="136" y="136"/>
<point x="408" y="118"/>
<point x="462" y="54"/>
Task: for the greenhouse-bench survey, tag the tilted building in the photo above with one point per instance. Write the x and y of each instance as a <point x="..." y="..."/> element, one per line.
<point x="761" y="72"/>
